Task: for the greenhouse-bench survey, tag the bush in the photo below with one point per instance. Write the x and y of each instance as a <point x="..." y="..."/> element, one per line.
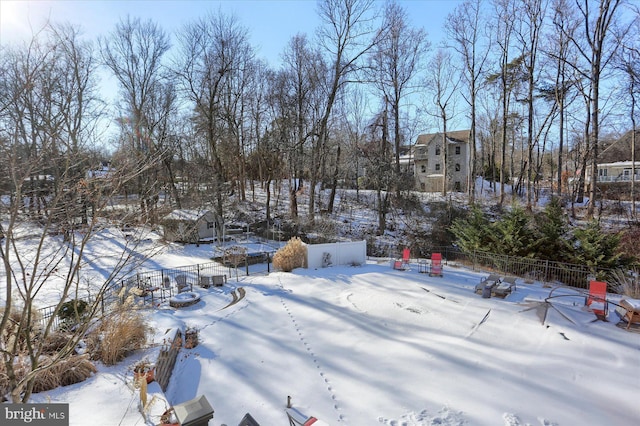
<point x="72" y="313"/>
<point x="291" y="256"/>
<point x="118" y="335"/>
<point x="626" y="283"/>
<point x="66" y="372"/>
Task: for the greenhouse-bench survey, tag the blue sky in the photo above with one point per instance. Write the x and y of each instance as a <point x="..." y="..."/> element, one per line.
<point x="271" y="23"/>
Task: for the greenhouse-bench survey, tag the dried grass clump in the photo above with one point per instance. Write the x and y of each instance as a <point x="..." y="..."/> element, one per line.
<point x="54" y="342"/>
<point x="118" y="335"/>
<point x="626" y="283"/>
<point x="66" y="372"/>
<point x="291" y="256"/>
<point x="17" y="329"/>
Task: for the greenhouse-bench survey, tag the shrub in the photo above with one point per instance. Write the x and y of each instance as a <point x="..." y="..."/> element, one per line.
<point x="72" y="313"/>
<point x="66" y="372"/>
<point x="291" y="256"/>
<point x="118" y="335"/>
<point x="20" y="328"/>
<point x="626" y="282"/>
<point x="54" y="342"/>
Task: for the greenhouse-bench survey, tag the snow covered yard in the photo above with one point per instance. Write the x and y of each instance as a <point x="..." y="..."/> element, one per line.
<point x="371" y="345"/>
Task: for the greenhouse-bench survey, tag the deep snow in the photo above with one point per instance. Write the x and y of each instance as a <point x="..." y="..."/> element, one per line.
<point x="371" y="345"/>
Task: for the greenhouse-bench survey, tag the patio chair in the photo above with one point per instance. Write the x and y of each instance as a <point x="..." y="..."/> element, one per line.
<point x="436" y="265"/>
<point x="596" y="300"/>
<point x="487" y="283"/>
<point x="205" y="281"/>
<point x="629" y="310"/>
<point x="219" y="280"/>
<point x="166" y="287"/>
<point x="504" y="287"/>
<point x="406" y="254"/>
<point x="183" y="285"/>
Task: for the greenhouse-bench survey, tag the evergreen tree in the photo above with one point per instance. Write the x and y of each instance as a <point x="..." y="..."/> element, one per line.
<point x="512" y="234"/>
<point x="596" y="248"/>
<point x="472" y="232"/>
<point x="551" y="228"/>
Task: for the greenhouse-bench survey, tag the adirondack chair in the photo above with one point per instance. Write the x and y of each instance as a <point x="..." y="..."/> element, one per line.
<point x="436" y="264"/>
<point x="596" y="300"/>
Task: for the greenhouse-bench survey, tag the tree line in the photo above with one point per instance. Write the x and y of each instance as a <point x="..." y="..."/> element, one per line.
<point x="198" y="115"/>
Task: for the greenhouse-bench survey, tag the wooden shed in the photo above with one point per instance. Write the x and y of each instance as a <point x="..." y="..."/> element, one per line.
<point x="189" y="226"/>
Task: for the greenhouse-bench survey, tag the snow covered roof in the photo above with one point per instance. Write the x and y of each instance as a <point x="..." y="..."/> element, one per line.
<point x="454" y="137"/>
<point x="619" y="164"/>
<point x="186" y="215"/>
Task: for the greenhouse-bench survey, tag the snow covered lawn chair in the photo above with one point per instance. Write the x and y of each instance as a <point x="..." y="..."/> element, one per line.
<point x="183" y="285"/>
<point x="219" y="280"/>
<point x="296" y="418"/>
<point x="596" y="301"/>
<point x="166" y="288"/>
<point x="504" y="287"/>
<point x="487" y="283"/>
<point x="629" y="311"/>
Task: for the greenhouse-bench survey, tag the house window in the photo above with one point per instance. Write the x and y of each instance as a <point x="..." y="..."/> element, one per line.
<point x="423" y="168"/>
<point x="437" y="149"/>
<point x="211" y="225"/>
<point x="457" y="167"/>
<point x="437" y="167"/>
<point x="602" y="172"/>
<point x="422" y="187"/>
<point x="457" y="150"/>
<point x="457" y="187"/>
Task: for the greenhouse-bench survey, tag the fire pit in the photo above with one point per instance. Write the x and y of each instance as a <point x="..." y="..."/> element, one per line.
<point x="182" y="300"/>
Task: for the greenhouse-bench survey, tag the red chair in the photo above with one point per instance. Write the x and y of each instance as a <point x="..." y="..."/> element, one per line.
<point x="597" y="299"/>
<point x="436" y="265"/>
<point x="406" y="254"/>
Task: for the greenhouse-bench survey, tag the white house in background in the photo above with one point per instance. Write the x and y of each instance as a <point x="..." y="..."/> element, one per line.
<point x="615" y="163"/>
<point x="189" y="226"/>
<point x="103" y="171"/>
<point x="428" y="159"/>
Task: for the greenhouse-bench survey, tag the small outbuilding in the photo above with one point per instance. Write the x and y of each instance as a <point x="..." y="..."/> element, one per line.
<point x="189" y="226"/>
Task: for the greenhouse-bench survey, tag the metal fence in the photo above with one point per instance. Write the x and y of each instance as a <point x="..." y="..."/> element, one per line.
<point x="549" y="271"/>
<point x="157" y="285"/>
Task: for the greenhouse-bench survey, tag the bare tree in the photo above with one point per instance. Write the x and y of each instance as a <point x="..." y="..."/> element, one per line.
<point x="598" y="52"/>
<point x="212" y="51"/>
<point x="346" y="36"/>
<point x="464" y="29"/>
<point x="46" y="130"/>
<point x="505" y="16"/>
<point x="629" y="63"/>
<point x="396" y="62"/>
<point x="443" y="80"/>
<point x="133" y="52"/>
<point x="528" y="36"/>
<point x="299" y="103"/>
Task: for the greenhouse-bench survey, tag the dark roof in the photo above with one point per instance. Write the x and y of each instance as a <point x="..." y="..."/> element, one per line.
<point x="619" y="150"/>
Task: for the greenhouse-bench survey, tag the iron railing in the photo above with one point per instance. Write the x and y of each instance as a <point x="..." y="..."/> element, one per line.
<point x="156" y="285"/>
<point x="548" y="271"/>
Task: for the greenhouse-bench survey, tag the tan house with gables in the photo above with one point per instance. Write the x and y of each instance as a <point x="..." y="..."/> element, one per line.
<point x="429" y="161"/>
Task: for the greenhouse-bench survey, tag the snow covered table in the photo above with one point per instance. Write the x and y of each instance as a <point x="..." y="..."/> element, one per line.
<point x="630" y="311"/>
